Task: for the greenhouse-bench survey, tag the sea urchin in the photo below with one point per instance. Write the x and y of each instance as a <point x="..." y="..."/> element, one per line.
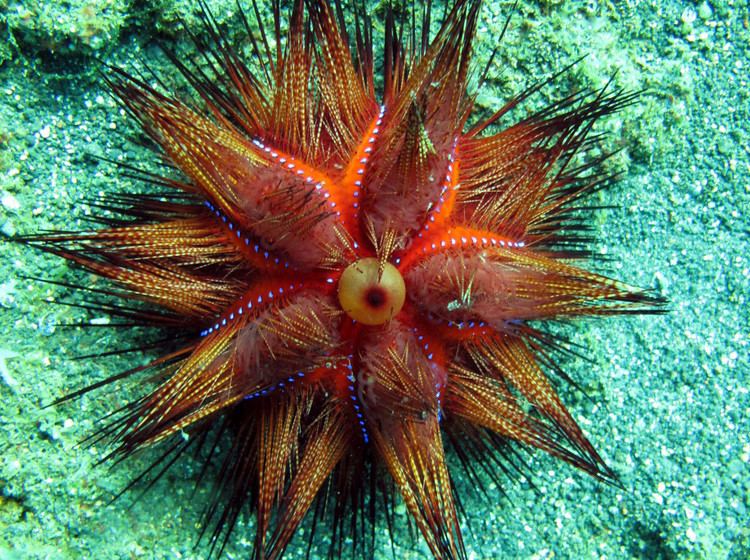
<point x="358" y="277"/>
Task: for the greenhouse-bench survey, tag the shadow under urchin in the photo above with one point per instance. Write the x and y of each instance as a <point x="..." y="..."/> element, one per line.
<point x="352" y="268"/>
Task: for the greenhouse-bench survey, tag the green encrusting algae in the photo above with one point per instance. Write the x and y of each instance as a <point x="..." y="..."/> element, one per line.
<point x="667" y="403"/>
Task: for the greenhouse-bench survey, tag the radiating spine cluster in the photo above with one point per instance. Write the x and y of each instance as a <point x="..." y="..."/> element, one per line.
<point x="356" y="278"/>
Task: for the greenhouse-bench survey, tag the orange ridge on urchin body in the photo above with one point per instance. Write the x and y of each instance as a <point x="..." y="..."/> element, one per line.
<point x="357" y="276"/>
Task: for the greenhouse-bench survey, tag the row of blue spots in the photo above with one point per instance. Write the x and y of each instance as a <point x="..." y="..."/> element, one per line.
<point x="256" y="247"/>
<point x="426" y="348"/>
<point x="280" y="386"/>
<point x="454" y="241"/>
<point x="291" y="165"/>
<point x="455" y="324"/>
<point x="368" y="151"/>
<point x="355" y="403"/>
<point x="249" y="306"/>
<point x="465" y="324"/>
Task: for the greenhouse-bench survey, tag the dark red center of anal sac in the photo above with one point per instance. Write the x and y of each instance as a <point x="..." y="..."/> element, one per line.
<point x="376" y="297"/>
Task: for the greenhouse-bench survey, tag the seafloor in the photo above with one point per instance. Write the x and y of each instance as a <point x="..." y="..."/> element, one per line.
<point x="667" y="397"/>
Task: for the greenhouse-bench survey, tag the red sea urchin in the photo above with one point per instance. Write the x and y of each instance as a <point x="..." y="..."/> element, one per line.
<point x="356" y="279"/>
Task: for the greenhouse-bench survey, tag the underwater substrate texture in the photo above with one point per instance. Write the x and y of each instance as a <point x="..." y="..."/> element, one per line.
<point x="664" y="398"/>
